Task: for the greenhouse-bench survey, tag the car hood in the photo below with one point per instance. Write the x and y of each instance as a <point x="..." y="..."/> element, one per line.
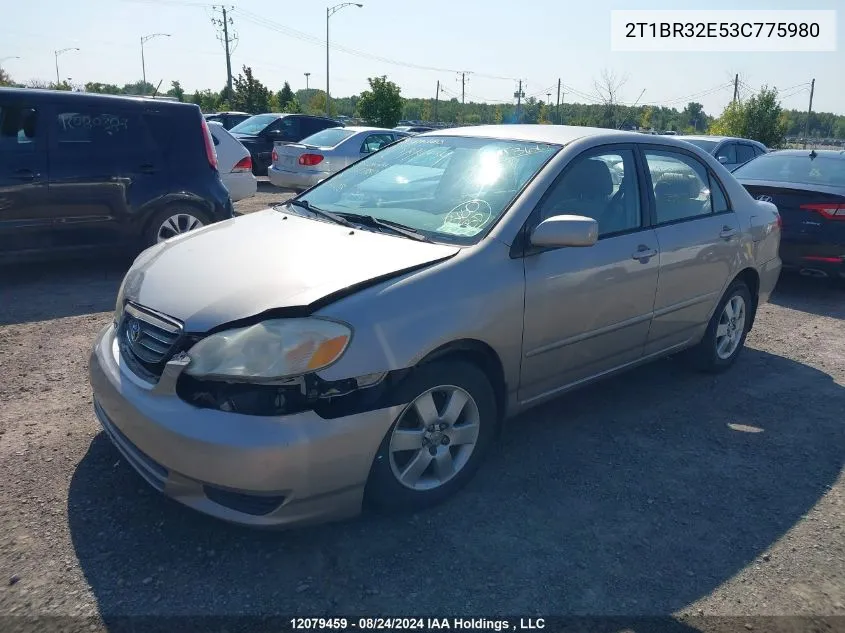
<point x="268" y="260"/>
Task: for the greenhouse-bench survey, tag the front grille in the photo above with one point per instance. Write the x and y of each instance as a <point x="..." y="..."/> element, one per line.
<point x="256" y="505"/>
<point x="147" y="339"/>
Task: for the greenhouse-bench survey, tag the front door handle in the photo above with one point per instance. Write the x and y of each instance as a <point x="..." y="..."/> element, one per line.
<point x="26" y="174"/>
<point x="644" y="253"/>
<point x="727" y="232"/>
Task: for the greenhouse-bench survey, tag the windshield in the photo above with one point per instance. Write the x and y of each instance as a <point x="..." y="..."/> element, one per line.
<point x="327" y="138"/>
<point x="448" y="188"/>
<point x="707" y="146"/>
<point x="821" y="170"/>
<point x="254" y="124"/>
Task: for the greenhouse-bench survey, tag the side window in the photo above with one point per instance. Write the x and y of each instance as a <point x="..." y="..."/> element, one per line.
<point x="17" y="128"/>
<point x="375" y="142"/>
<point x="727" y="154"/>
<point x="744" y="153"/>
<point x="289" y="127"/>
<point x="759" y="151"/>
<point x="100" y="130"/>
<point x="601" y="185"/>
<point x="681" y="186"/>
<point x="720" y="200"/>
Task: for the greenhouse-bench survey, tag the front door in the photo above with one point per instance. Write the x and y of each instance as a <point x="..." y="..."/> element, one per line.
<point x="588" y="310"/>
<point x="698" y="235"/>
<point x="25" y="217"/>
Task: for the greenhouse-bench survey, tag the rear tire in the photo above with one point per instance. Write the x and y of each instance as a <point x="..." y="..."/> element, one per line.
<point x="418" y="464"/>
<point x="174" y="220"/>
<point x="725" y="336"/>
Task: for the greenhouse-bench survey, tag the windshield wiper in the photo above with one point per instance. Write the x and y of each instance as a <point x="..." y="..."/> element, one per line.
<point x="304" y="204"/>
<point x="396" y="227"/>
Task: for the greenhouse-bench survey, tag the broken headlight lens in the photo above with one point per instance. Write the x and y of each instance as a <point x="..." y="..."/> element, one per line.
<point x="270" y="350"/>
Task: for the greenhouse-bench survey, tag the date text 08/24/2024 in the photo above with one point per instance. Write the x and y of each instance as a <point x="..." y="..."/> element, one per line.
<point x="415" y="624"/>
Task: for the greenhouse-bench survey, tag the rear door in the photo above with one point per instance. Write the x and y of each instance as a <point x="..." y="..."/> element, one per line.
<point x="25" y="217"/>
<point x="698" y="233"/>
<point x="103" y="163"/>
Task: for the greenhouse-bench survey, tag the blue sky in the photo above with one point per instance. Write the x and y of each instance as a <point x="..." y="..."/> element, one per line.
<point x="499" y="41"/>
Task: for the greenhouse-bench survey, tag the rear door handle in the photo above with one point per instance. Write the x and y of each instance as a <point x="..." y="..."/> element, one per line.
<point x="644" y="253"/>
<point x="727" y="232"/>
<point x="25" y="174"/>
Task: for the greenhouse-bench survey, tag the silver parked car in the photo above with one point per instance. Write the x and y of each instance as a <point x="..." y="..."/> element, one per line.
<point x="364" y="340"/>
<point x="731" y="152"/>
<point x="313" y="159"/>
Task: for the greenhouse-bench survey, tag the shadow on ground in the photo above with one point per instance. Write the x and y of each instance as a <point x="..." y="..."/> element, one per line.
<point x="631" y="497"/>
<point x="54" y="289"/>
<point x="822" y="297"/>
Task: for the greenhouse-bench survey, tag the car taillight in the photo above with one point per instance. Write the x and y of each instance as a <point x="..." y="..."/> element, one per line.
<point x="244" y="164"/>
<point x="274" y="156"/>
<point x="309" y="160"/>
<point x="830" y="210"/>
<point x="210" y="154"/>
<point x="779" y="221"/>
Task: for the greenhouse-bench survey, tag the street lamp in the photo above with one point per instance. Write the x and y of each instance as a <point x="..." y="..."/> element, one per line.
<point x="146" y="38"/>
<point x="307" y="75"/>
<point x="61" y="52"/>
<point x="330" y="11"/>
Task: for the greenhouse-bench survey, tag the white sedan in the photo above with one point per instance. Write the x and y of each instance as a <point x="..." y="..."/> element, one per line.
<point x="315" y="158"/>
<point x="233" y="162"/>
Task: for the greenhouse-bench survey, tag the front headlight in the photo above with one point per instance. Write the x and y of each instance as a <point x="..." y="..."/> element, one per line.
<point x="280" y="348"/>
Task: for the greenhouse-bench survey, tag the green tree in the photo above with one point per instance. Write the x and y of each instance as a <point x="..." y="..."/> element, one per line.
<point x="249" y="94"/>
<point x="694" y="115"/>
<point x="108" y="89"/>
<point x="176" y="90"/>
<point x="285" y="96"/>
<point x="5" y="79"/>
<point x="293" y="106"/>
<point x="382" y="103"/>
<point x="207" y="100"/>
<point x="498" y="116"/>
<point x="759" y="118"/>
<point x="317" y="104"/>
<point x="645" y="118"/>
<point x="138" y="88"/>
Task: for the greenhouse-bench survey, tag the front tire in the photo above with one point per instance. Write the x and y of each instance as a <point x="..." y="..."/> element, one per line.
<point x="725" y="336"/>
<point x="438" y="441"/>
<point x="173" y="221"/>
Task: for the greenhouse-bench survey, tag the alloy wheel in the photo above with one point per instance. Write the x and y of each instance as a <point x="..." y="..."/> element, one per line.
<point x="731" y="327"/>
<point x="176" y="225"/>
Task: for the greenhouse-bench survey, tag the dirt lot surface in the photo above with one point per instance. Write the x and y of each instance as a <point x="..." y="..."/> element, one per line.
<point x="658" y="492"/>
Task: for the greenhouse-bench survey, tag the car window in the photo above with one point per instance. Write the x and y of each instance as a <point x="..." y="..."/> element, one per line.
<point x="17" y="128"/>
<point x="254" y="124"/>
<point x="758" y="151"/>
<point x="681" y="186"/>
<point x="375" y="142"/>
<point x="102" y="129"/>
<point x="289" y="127"/>
<point x="449" y="188"/>
<point x="328" y="138"/>
<point x="707" y="146"/>
<point x="602" y="186"/>
<point x="717" y="194"/>
<point x="797" y="168"/>
<point x="727" y="154"/>
<point x="744" y="152"/>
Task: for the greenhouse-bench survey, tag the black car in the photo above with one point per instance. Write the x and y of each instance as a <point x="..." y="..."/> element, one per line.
<point x="259" y="132"/>
<point x="228" y="119"/>
<point x="81" y="170"/>
<point x="808" y="188"/>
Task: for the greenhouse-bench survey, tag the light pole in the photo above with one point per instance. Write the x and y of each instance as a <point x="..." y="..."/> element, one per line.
<point x="146" y="38"/>
<point x="330" y="11"/>
<point x="307" y="75"/>
<point x="61" y="52"/>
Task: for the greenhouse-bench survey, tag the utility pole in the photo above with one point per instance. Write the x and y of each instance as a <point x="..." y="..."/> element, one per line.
<point x="307" y="75"/>
<point x="144" y="39"/>
<point x="809" y="111"/>
<point x="557" y="109"/>
<point x="736" y="87"/>
<point x="224" y="23"/>
<point x="436" y="100"/>
<point x="518" y="96"/>
<point x="463" y="80"/>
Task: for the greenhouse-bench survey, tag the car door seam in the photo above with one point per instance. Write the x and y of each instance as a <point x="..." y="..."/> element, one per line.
<point x="587" y="335"/>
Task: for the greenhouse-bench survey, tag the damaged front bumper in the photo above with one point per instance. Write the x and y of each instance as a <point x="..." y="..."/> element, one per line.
<point x="260" y="470"/>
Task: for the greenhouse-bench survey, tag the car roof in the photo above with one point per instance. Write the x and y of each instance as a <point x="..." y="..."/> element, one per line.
<point x="717" y="139"/>
<point x="64" y="95"/>
<point x="557" y="134"/>
<point x="228" y="112"/>
<point x="364" y="128"/>
<point x="826" y="153"/>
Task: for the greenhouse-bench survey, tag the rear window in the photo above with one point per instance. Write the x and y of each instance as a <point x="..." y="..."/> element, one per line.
<point x="328" y="138"/>
<point x="821" y="170"/>
<point x="254" y="124"/>
<point x="707" y="146"/>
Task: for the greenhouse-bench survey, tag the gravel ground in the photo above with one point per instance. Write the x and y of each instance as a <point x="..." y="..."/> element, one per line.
<point x="658" y="492"/>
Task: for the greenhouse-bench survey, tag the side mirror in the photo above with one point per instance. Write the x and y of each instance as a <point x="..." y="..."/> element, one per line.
<point x="566" y="230"/>
<point x="722" y="159"/>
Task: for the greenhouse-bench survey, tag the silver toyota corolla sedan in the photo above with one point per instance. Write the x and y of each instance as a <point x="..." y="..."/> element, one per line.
<point x="362" y="342"/>
<point x="313" y="159"/>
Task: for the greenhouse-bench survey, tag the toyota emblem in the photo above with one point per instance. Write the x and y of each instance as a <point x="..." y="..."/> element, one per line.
<point x="764" y="198"/>
<point x="133" y="331"/>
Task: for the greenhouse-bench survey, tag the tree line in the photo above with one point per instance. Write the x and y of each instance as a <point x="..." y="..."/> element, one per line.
<point x="760" y="117"/>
